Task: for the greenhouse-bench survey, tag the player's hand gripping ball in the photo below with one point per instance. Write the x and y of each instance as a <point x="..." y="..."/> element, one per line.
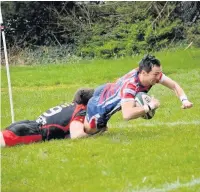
<point x="142" y="99"/>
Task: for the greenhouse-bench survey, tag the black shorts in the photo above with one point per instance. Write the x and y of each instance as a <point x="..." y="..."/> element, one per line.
<point x="22" y="132"/>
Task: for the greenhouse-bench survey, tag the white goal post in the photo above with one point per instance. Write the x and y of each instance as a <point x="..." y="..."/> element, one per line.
<point x="7" y="66"/>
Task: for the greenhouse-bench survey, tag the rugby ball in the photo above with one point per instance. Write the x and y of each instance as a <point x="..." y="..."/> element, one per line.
<point x="141" y="99"/>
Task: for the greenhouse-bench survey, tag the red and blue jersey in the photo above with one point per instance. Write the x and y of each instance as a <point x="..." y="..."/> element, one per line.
<point x="124" y="89"/>
<point x="107" y="99"/>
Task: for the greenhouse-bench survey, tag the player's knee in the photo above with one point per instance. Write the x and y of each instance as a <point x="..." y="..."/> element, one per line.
<point x="87" y="127"/>
<point x="91" y="128"/>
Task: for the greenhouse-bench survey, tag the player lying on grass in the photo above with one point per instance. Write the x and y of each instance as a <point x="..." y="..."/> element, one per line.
<point x="120" y="95"/>
<point x="59" y="122"/>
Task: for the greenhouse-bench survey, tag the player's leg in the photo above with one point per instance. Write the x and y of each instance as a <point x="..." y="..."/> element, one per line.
<point x="95" y="120"/>
<point x="95" y="125"/>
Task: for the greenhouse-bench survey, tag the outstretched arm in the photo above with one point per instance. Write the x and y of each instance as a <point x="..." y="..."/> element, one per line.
<point x="173" y="85"/>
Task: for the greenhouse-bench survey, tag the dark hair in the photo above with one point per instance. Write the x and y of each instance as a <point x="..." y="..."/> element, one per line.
<point x="147" y="62"/>
<point x="83" y="95"/>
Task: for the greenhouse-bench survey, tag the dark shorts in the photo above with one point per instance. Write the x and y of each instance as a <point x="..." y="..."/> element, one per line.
<point x="22" y="132"/>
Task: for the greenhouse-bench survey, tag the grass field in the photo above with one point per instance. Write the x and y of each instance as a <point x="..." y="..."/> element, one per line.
<point x="162" y="154"/>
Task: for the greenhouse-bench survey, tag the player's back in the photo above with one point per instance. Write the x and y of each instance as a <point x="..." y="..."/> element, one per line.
<point x="58" y="115"/>
<point x="110" y="98"/>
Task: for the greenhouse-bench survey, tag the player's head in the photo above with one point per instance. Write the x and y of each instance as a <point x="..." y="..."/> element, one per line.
<point x="150" y="68"/>
<point x="83" y="95"/>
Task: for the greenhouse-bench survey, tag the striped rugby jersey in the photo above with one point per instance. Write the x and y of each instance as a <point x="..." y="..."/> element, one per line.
<point x="124" y="89"/>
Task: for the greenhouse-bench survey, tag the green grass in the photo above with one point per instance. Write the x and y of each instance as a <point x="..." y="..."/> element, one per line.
<point x="161" y="154"/>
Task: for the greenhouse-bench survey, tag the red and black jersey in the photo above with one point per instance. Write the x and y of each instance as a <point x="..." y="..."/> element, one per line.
<point x="52" y="124"/>
<point x="56" y="120"/>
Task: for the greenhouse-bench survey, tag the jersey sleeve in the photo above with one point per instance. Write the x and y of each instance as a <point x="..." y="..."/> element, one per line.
<point x="79" y="118"/>
<point x="79" y="114"/>
<point x="128" y="92"/>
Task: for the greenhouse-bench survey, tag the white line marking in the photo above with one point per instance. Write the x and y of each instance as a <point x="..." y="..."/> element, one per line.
<point x="153" y="124"/>
<point x="172" y="123"/>
<point x="169" y="186"/>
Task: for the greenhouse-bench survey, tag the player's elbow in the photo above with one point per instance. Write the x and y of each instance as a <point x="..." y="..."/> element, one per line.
<point x="128" y="111"/>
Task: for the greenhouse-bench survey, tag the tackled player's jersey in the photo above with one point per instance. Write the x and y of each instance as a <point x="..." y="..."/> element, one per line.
<point x="52" y="124"/>
<point x="124" y="89"/>
<point x="56" y="120"/>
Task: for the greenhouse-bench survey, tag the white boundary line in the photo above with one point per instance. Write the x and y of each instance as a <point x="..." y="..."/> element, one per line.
<point x="153" y="124"/>
<point x="170" y="186"/>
